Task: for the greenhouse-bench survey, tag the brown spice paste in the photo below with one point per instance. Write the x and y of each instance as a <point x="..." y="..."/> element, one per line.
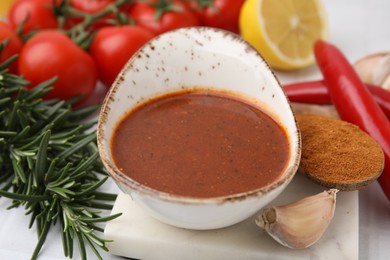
<point x="200" y="144"/>
<point x="337" y="154"/>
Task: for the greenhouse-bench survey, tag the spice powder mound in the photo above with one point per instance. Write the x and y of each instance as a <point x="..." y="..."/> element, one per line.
<point x="337" y="154"/>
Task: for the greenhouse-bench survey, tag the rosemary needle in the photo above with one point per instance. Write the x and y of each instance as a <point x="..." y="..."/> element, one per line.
<point x="49" y="164"/>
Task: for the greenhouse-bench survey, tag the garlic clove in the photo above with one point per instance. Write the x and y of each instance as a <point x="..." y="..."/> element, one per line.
<point x="381" y="70"/>
<point x="374" y="68"/>
<point x="386" y="83"/>
<point x="364" y="67"/>
<point x="302" y="223"/>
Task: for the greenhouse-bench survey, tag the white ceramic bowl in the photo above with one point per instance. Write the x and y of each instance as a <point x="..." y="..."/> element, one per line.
<point x="197" y="58"/>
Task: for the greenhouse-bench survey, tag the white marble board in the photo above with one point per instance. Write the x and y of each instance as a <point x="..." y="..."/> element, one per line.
<point x="137" y="235"/>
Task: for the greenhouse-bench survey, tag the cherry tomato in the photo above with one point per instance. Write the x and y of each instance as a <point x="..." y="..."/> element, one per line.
<point x="112" y="47"/>
<point x="39" y="15"/>
<point x="51" y="53"/>
<point x="91" y="6"/>
<point x="219" y="13"/>
<point x="13" y="47"/>
<point x="144" y="15"/>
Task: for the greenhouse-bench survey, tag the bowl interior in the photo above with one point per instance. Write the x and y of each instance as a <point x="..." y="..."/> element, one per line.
<point x="188" y="59"/>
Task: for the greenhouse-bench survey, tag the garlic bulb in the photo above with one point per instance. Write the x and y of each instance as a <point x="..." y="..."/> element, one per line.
<point x="302" y="223"/>
<point x="375" y="69"/>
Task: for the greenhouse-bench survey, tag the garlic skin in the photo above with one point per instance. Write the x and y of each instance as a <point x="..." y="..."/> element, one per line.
<point x="375" y="69"/>
<point x="302" y="223"/>
<point x="386" y="83"/>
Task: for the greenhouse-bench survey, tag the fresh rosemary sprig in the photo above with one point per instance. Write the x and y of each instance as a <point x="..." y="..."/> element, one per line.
<point x="49" y="164"/>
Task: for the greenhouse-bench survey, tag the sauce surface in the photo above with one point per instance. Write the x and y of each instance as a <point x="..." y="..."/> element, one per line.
<point x="200" y="144"/>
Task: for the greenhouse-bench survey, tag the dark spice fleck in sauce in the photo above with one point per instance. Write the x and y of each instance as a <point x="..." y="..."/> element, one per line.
<point x="200" y="144"/>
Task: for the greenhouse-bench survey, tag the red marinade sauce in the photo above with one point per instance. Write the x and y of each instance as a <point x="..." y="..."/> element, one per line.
<point x="200" y="144"/>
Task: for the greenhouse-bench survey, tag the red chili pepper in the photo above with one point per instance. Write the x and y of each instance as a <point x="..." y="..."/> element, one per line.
<point x="353" y="101"/>
<point x="316" y="92"/>
<point x="311" y="92"/>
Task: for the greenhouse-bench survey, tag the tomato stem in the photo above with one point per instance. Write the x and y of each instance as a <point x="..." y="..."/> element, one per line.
<point x="203" y="3"/>
<point x="89" y="19"/>
<point x="80" y="34"/>
<point x="163" y="6"/>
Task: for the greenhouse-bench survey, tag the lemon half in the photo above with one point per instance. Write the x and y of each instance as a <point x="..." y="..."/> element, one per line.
<point x="284" y="31"/>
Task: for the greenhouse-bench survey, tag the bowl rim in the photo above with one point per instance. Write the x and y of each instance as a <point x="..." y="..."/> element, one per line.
<point x="126" y="183"/>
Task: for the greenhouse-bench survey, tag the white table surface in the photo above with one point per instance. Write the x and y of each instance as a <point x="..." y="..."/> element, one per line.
<point x="357" y="27"/>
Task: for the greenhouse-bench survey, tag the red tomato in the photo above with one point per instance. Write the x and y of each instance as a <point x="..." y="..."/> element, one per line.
<point x="39" y="15"/>
<point x="90" y="6"/>
<point x="13" y="47"/>
<point x="144" y="15"/>
<point x="50" y="53"/>
<point x="113" y="46"/>
<point x="223" y="14"/>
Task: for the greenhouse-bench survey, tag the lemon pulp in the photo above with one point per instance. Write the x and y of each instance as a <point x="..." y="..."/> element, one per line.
<point x="284" y="31"/>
